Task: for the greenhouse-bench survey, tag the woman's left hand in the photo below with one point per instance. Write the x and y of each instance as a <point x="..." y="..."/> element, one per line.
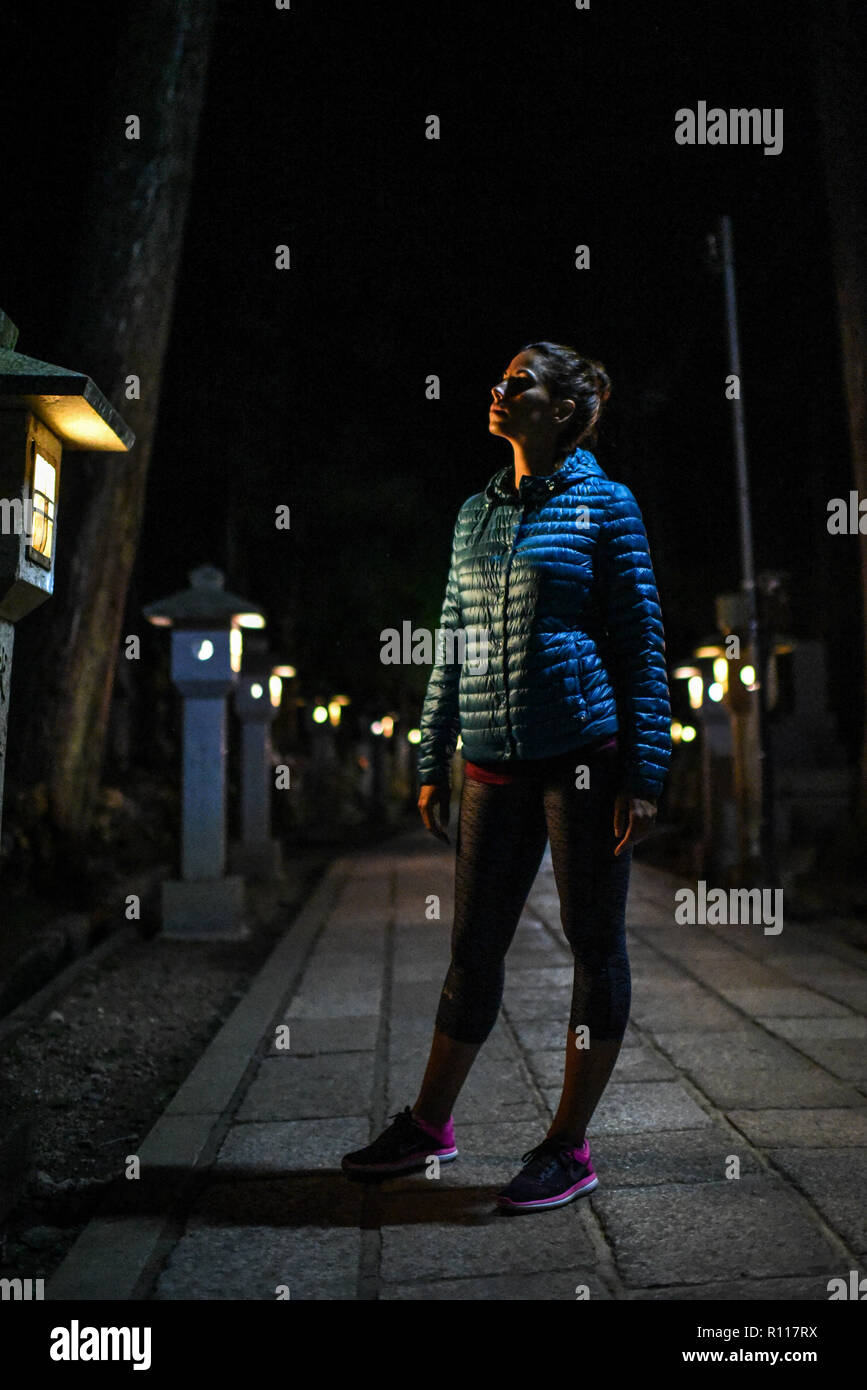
<point x="633" y="819"/>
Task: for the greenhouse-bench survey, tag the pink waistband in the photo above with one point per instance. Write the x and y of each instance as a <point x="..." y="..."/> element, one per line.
<point x="479" y="772"/>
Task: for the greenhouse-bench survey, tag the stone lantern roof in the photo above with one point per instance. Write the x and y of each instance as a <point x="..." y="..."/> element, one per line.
<point x="68" y="402"/>
<point x="205" y="604"/>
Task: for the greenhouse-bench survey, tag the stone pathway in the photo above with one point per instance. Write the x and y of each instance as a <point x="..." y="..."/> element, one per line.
<point x="731" y="1143"/>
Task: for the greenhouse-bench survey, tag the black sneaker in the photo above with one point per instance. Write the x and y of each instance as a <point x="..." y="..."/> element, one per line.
<point x="555" y="1172"/>
<point x="401" y="1148"/>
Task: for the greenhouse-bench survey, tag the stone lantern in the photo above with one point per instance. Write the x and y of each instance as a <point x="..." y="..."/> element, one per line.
<point x="207" y="646"/>
<point x="44" y="409"/>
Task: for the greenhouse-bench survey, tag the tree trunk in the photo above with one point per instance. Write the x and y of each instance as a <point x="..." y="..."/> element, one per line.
<point x="120" y="307"/>
<point x="837" y="64"/>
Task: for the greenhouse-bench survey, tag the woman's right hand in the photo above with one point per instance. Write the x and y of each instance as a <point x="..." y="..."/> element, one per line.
<point x="433" y="803"/>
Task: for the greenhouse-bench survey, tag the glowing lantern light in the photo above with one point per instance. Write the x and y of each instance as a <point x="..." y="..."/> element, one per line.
<point x="44" y="409"/>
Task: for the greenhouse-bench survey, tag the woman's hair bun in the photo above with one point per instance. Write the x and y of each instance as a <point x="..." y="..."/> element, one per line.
<point x="603" y="384"/>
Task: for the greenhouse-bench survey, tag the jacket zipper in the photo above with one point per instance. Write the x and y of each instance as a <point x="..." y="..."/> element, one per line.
<point x="509" y="734"/>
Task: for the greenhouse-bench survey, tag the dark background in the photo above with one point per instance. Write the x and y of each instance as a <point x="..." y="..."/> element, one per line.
<point x="411" y="257"/>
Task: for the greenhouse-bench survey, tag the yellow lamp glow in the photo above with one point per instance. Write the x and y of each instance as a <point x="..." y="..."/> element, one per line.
<point x="249" y="620"/>
<point x="388" y="726"/>
<point x="721" y="671"/>
<point x="256" y="691"/>
<point x="275" y="690"/>
<point x="676" y="730"/>
<point x="748" y="675"/>
<point x="695" y="689"/>
<point x="204" y="651"/>
<point x="715" y="692"/>
<point x="687" y="733"/>
<point x="43" y="501"/>
<point x="286" y="671"/>
<point x="376" y="727"/>
<point x="320" y="714"/>
<point x="236" y="648"/>
<point x="414" y="736"/>
<point x="334" y="712"/>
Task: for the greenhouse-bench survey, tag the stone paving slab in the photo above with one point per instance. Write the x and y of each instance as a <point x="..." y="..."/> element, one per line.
<point x="498" y="1242"/>
<point x="848" y="989"/>
<point x="303" y="1200"/>
<point x="811" y="1289"/>
<point x="547" y="1002"/>
<point x="296" y="1088"/>
<point x="411" y="1037"/>
<point x="782" y="1002"/>
<point x="250" y="1262"/>
<point x="540" y="977"/>
<point x="843" y="1057"/>
<point x="848" y="1026"/>
<point x="802" y="1128"/>
<point x="733" y="971"/>
<point x="310" y="1036"/>
<point x="744" y="1068"/>
<point x="683" y="1156"/>
<point x="546" y="952"/>
<point x="283" y="1146"/>
<point x="547" y="1035"/>
<point x="836" y="1182"/>
<point x="341" y="994"/>
<point x="810" y="966"/>
<point x="638" y="1063"/>
<point x="628" y="1107"/>
<point x="523" y="1288"/>
<point x="683" y="1005"/>
<point x="412" y="998"/>
<point x="752" y="1227"/>
<point x="496" y="1089"/>
<point x="417" y="971"/>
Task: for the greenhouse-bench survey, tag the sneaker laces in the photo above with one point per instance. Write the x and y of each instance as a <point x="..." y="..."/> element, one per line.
<point x="553" y="1148"/>
<point x="405" y="1118"/>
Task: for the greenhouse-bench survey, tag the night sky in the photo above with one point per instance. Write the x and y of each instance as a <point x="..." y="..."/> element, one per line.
<point x="411" y="257"/>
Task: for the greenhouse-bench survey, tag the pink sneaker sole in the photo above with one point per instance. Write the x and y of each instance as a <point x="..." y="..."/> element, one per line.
<point x="578" y="1190"/>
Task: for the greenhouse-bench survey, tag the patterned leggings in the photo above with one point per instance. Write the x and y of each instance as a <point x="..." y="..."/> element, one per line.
<point x="501" y="837"/>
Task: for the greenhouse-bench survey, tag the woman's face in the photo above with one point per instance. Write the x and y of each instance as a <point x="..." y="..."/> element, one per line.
<point x="522" y="408"/>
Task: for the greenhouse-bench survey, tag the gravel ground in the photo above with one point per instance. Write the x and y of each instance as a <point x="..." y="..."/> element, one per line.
<point x="97" y="1071"/>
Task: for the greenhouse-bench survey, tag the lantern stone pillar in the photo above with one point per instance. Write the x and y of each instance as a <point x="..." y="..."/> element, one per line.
<point x="7" y="639"/>
<point x="204" y="904"/>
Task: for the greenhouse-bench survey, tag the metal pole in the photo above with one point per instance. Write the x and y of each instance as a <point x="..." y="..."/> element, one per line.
<point x="767" y="838"/>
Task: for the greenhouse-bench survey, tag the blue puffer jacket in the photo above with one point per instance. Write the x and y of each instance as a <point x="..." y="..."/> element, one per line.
<point x="559" y="579"/>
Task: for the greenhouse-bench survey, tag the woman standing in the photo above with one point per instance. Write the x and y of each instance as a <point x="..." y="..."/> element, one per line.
<point x="565" y="728"/>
